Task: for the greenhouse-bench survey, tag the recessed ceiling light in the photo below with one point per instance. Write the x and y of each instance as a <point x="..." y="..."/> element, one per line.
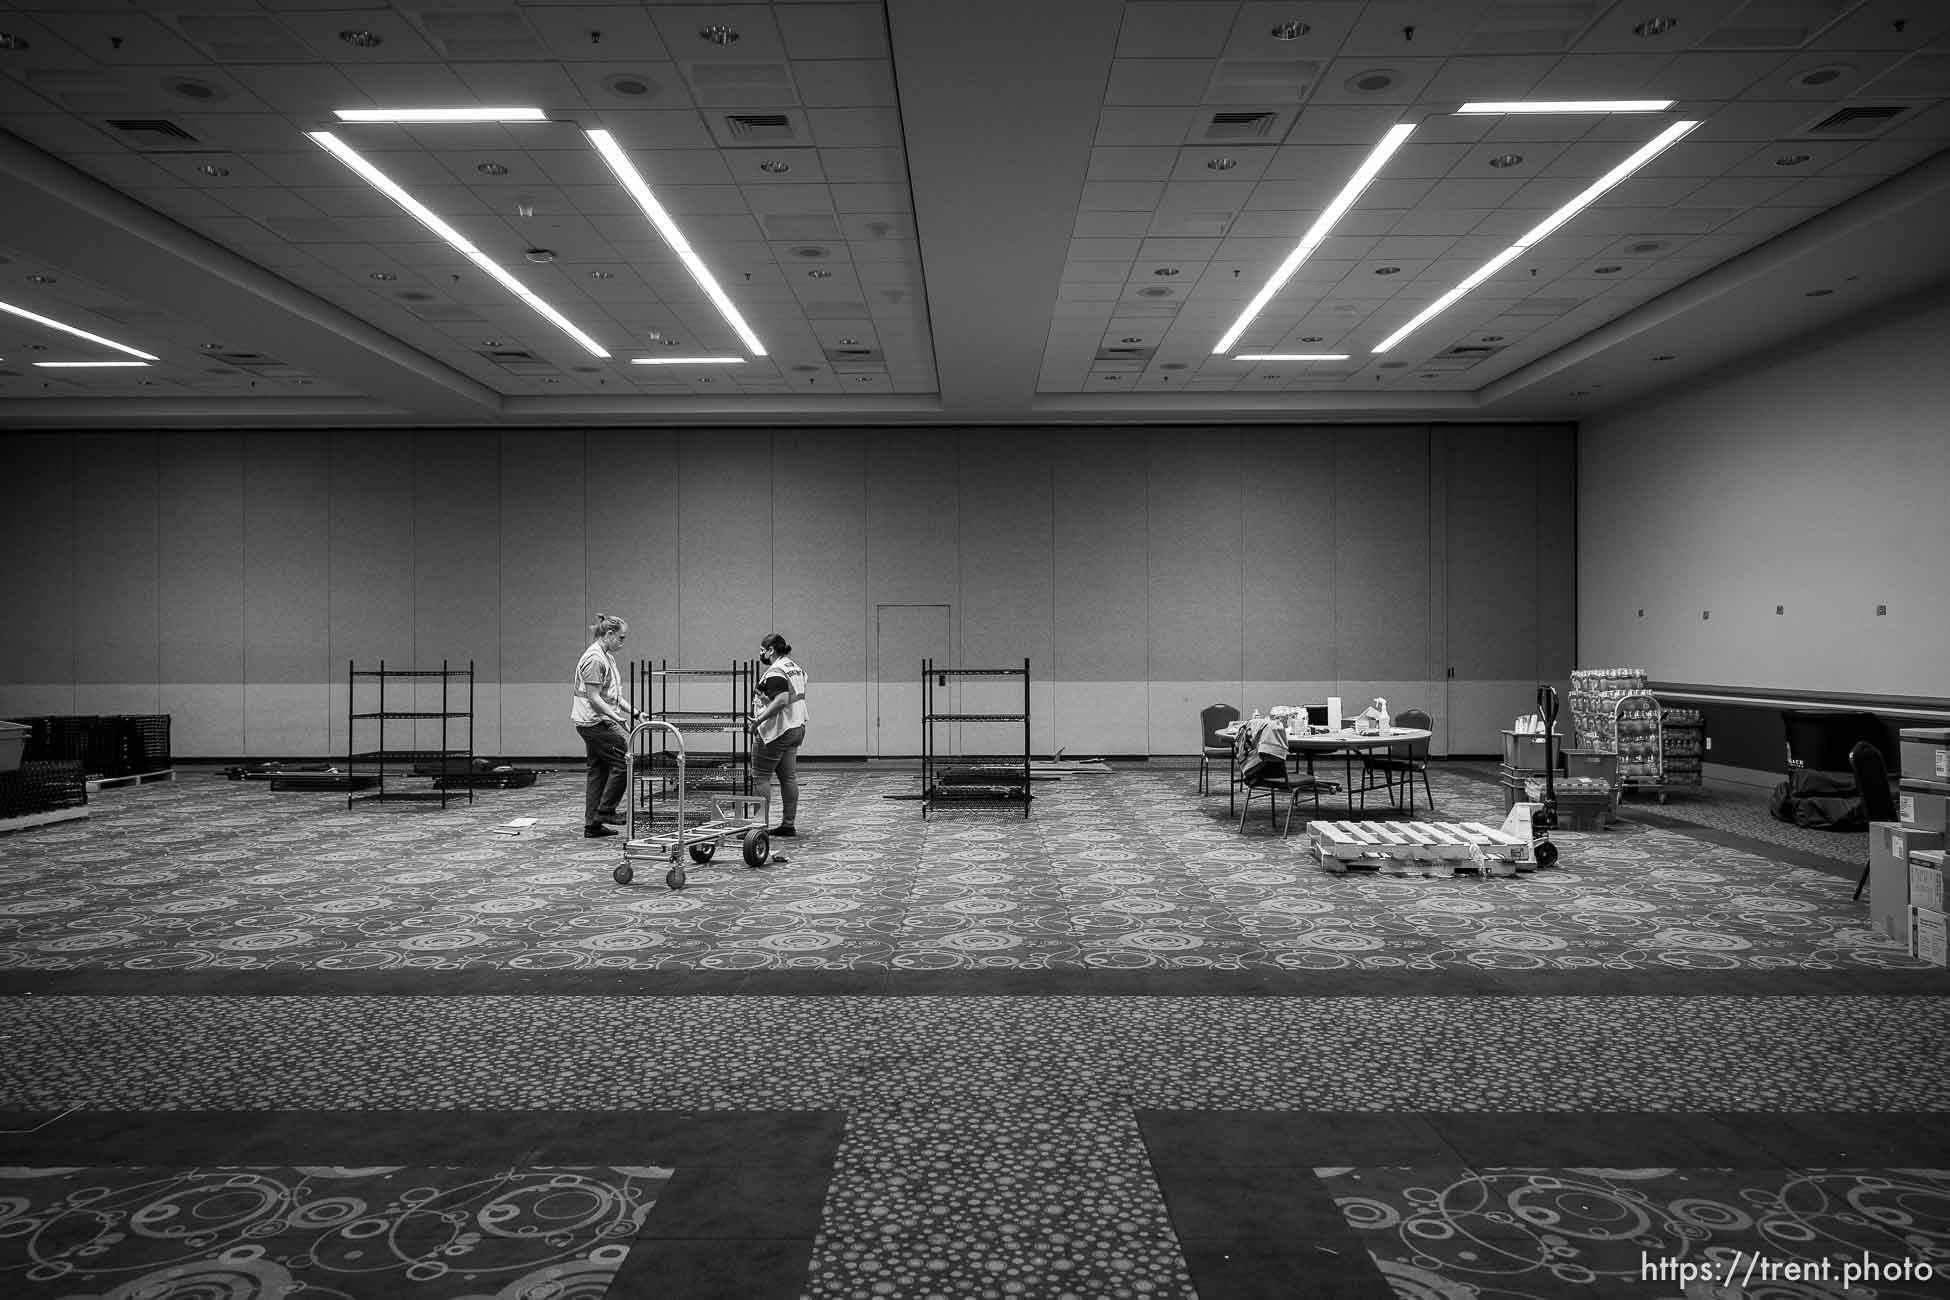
<point x="632" y="181"/>
<point x="209" y="347"/>
<point x="775" y="166"/>
<point x="1166" y="271"/>
<point x="383" y="275"/>
<point x="361" y="39"/>
<point x="719" y="33"/>
<point x="211" y="169"/>
<point x="1388" y="270"/>
<point x="671" y="343"/>
<point x="1822" y="75"/>
<point x="9" y="41"/>
<point x="420" y="212"/>
<point x="40" y="279"/>
<point x="540" y="256"/>
<point x="1666" y="356"/>
<point x="849" y="343"/>
<point x="1792" y="159"/>
<point x="1172" y="365"/>
<point x="1221" y="164"/>
<point x="1654" y="27"/>
<point x="550" y="379"/>
<point x="491" y="169"/>
<point x="1131" y="338"/>
<point x="1606" y="270"/>
<point x="707" y="379"/>
<point x="1312" y="338"/>
<point x="1290" y="356"/>
<point x="820" y="273"/>
<point x="865" y="379"/>
<point x="602" y="275"/>
<point x="1817" y="293"/>
<point x="1362" y="177"/>
<point x="1645" y="246"/>
<point x="1290" y="30"/>
<point x="1639" y="157"/>
<point x="192" y="88"/>
<point x="1372" y="82"/>
<point x="1506" y="160"/>
<point x="1157" y="291"/>
<point x="624" y="83"/>
<point x="1568" y="106"/>
<point x="811" y="251"/>
<point x="490" y="343"/>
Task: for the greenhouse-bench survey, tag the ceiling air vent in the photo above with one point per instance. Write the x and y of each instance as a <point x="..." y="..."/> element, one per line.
<point x="503" y="35"/>
<point x="154" y="132"/>
<point x="1240" y="126"/>
<point x="1859" y="120"/>
<point x="759" y="128"/>
<point x="1469" y="353"/>
<point x="231" y="38"/>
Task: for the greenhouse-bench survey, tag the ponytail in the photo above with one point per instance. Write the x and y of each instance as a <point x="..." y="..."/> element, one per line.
<point x="604" y="625"/>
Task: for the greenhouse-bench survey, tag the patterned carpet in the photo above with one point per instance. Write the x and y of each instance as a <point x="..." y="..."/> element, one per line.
<point x="1119" y="1050"/>
<point x="1128" y="871"/>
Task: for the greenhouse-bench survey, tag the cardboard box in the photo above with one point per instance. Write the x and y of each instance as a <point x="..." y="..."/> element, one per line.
<point x="1926" y="879"/>
<point x="1929" y="936"/>
<point x="1926" y="753"/>
<point x="1889" y="878"/>
<point x="1926" y="810"/>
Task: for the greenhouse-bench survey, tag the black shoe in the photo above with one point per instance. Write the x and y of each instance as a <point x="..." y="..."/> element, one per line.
<point x="596" y="832"/>
<point x="785" y="832"/>
<point x="611" y="819"/>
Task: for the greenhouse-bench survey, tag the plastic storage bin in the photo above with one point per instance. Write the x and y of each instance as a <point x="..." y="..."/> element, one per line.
<point x="13" y="743"/>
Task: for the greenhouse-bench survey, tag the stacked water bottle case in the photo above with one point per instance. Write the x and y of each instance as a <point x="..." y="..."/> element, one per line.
<point x="1658" y="747"/>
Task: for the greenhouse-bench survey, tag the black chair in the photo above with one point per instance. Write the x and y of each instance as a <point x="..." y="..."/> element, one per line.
<point x="1822" y="740"/>
<point x="1212" y="719"/>
<point x="1272" y="786"/>
<point x="1872" y="780"/>
<point x="1407" y="761"/>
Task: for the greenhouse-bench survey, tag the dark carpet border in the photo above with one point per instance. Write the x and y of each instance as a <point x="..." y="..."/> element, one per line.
<point x="1256" y="1224"/>
<point x="1071" y="982"/>
<point x="736" y="1221"/>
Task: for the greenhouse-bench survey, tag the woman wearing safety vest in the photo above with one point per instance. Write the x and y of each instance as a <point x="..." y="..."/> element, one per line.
<point x="779" y="722"/>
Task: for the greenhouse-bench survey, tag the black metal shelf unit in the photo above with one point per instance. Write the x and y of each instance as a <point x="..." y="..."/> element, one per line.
<point x="725" y="768"/>
<point x="374" y="712"/>
<point x="955" y="779"/>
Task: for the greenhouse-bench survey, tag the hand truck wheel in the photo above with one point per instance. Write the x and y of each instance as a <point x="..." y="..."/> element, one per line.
<point x="674" y="877"/>
<point x="703" y="851"/>
<point x="624" y="874"/>
<point x="758" y="847"/>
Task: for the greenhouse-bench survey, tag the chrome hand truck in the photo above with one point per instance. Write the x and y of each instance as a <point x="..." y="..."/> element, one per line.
<point x="739" y="817"/>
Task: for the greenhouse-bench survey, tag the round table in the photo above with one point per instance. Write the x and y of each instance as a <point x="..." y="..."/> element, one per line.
<point x="1349" y="743"/>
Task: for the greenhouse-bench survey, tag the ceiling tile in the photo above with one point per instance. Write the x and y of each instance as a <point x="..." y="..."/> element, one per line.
<point x="855" y="128"/>
<point x="845" y="83"/>
<point x="1158" y="81"/>
<point x="604" y="33"/>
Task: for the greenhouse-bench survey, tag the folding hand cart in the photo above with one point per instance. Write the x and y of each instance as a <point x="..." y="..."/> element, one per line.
<point x="740" y="817"/>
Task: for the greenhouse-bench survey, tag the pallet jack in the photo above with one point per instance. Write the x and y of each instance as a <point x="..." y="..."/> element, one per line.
<point x="1544" y="820"/>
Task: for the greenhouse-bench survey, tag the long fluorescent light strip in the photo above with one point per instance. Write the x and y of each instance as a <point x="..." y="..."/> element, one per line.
<point x="1571" y="106"/>
<point x="39" y="319"/>
<point x="1290" y="356"/>
<point x="632" y="180"/>
<point x="686" y="361"/>
<point x="419" y="211"/>
<point x="92" y="365"/>
<point x="1645" y="154"/>
<point x="1318" y="232"/>
<point x="410" y="116"/>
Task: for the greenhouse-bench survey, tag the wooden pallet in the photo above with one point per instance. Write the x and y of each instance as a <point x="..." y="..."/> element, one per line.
<point x="1420" y="848"/>
<point x="96" y="784"/>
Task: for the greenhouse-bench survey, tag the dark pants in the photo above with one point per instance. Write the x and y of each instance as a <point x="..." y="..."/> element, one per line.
<point x="781" y="756"/>
<point x="605" y="742"/>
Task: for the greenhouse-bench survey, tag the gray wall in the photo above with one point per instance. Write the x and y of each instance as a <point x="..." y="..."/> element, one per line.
<point x="227" y="578"/>
<point x="1820" y="483"/>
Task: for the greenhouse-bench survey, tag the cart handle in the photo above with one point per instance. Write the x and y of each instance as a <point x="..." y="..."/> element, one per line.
<point x="629" y="777"/>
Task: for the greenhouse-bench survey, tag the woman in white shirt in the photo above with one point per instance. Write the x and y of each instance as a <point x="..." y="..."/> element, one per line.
<point x="603" y="718"/>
